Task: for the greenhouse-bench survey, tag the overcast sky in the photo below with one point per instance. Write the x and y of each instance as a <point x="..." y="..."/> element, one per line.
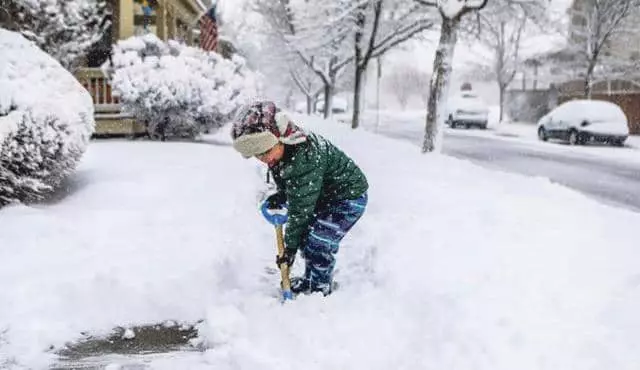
<point x="421" y="54"/>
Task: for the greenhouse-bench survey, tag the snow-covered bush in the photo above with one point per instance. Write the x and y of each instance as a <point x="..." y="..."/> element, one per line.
<point x="65" y="29"/>
<point x="46" y="120"/>
<point x="177" y="90"/>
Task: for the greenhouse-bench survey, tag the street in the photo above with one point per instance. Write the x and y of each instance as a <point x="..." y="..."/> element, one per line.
<point x="612" y="182"/>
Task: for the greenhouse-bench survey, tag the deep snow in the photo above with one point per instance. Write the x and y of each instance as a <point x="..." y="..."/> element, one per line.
<point x="452" y="267"/>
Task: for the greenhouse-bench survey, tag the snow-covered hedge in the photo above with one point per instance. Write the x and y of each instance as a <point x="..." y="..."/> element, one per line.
<point x="46" y="120"/>
<point x="177" y="90"/>
<point x="64" y="29"/>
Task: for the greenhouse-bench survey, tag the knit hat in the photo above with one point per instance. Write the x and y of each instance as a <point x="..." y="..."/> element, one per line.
<point x="259" y="126"/>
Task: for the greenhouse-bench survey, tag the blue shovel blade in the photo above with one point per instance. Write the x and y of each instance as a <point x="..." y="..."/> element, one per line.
<point x="287" y="295"/>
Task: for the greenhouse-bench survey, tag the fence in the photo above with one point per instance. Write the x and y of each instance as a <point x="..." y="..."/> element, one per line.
<point x="530" y="105"/>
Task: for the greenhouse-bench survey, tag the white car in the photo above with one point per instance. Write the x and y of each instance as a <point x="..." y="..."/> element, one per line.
<point x="301" y="107"/>
<point x="467" y="110"/>
<point x="582" y="121"/>
<point x="338" y="105"/>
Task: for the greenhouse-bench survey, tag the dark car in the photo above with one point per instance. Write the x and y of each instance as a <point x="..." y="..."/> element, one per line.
<point x="583" y="121"/>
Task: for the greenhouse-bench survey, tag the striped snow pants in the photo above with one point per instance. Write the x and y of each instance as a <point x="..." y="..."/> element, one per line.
<point x="323" y="240"/>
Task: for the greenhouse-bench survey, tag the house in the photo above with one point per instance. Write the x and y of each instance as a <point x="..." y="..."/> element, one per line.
<point x="168" y="19"/>
<point x="557" y="69"/>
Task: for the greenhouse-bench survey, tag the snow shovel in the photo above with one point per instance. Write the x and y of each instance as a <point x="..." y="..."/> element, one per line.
<point x="284" y="267"/>
<point x="279" y="218"/>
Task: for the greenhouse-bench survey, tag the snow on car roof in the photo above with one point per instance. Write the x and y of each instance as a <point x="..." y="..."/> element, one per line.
<point x="593" y="109"/>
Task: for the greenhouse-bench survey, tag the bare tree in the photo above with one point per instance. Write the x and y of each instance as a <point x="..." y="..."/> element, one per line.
<point x="390" y="23"/>
<point x="596" y="23"/>
<point x="307" y="85"/>
<point x="451" y="12"/>
<point x="501" y="31"/>
<point x="399" y="83"/>
<point x="324" y="54"/>
<point x="420" y="84"/>
<point x="407" y="82"/>
<point x="323" y="38"/>
<point x="330" y="36"/>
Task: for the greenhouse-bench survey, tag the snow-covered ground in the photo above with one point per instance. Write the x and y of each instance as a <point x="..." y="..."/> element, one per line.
<point x="452" y="267"/>
<point x="527" y="132"/>
<point x="413" y="121"/>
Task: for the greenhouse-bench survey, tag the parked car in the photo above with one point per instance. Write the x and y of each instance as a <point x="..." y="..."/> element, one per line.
<point x="338" y="105"/>
<point x="467" y="110"/>
<point x="582" y="121"/>
<point x="301" y="107"/>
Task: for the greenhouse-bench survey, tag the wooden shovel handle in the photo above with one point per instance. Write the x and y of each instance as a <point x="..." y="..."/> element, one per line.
<point x="284" y="268"/>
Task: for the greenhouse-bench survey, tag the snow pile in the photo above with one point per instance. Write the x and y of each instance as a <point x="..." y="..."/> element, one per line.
<point x="452" y="266"/>
<point x="46" y="120"/>
<point x="178" y="90"/>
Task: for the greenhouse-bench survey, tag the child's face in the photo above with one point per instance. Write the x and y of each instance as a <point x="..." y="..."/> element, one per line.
<point x="272" y="156"/>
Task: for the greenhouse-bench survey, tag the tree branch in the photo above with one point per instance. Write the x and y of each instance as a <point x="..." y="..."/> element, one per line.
<point x="299" y="83"/>
<point x="377" y="11"/>
<point x="426" y="3"/>
<point x="310" y="63"/>
<point x="402" y="35"/>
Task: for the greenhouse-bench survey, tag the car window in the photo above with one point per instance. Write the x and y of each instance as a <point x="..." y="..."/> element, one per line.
<point x="562" y="113"/>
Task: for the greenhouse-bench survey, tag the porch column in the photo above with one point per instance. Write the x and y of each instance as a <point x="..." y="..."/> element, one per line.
<point x="161" y="20"/>
<point x="171" y="24"/>
<point x="125" y="19"/>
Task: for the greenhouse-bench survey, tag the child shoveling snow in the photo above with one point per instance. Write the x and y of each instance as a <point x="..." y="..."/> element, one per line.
<point x="324" y="191"/>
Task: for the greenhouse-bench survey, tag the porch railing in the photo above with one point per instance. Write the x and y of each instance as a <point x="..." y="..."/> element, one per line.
<point x="98" y="86"/>
<point x="110" y="120"/>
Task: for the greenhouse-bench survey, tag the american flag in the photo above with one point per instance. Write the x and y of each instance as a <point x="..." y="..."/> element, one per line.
<point x="209" y="30"/>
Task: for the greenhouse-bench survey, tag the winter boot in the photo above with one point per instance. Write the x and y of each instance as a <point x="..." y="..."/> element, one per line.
<point x="301" y="285"/>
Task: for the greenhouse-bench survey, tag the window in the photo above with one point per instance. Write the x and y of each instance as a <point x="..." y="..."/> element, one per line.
<point x="144" y="18"/>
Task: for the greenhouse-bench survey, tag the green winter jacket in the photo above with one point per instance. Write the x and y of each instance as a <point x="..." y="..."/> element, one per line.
<point x="313" y="175"/>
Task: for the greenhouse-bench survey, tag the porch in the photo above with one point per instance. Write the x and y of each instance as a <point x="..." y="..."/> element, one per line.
<point x="110" y="120"/>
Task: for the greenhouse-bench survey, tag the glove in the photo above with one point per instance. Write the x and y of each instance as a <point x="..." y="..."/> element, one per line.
<point x="276" y="201"/>
<point x="288" y="257"/>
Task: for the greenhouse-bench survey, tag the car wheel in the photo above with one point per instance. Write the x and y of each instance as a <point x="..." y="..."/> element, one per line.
<point x="574" y="138"/>
<point x="542" y="134"/>
<point x="451" y="122"/>
<point x="483" y="127"/>
<point x="618" y="142"/>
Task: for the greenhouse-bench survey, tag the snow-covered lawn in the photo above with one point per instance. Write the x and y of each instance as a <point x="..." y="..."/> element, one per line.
<point x="634" y="142"/>
<point x="452" y="267"/>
